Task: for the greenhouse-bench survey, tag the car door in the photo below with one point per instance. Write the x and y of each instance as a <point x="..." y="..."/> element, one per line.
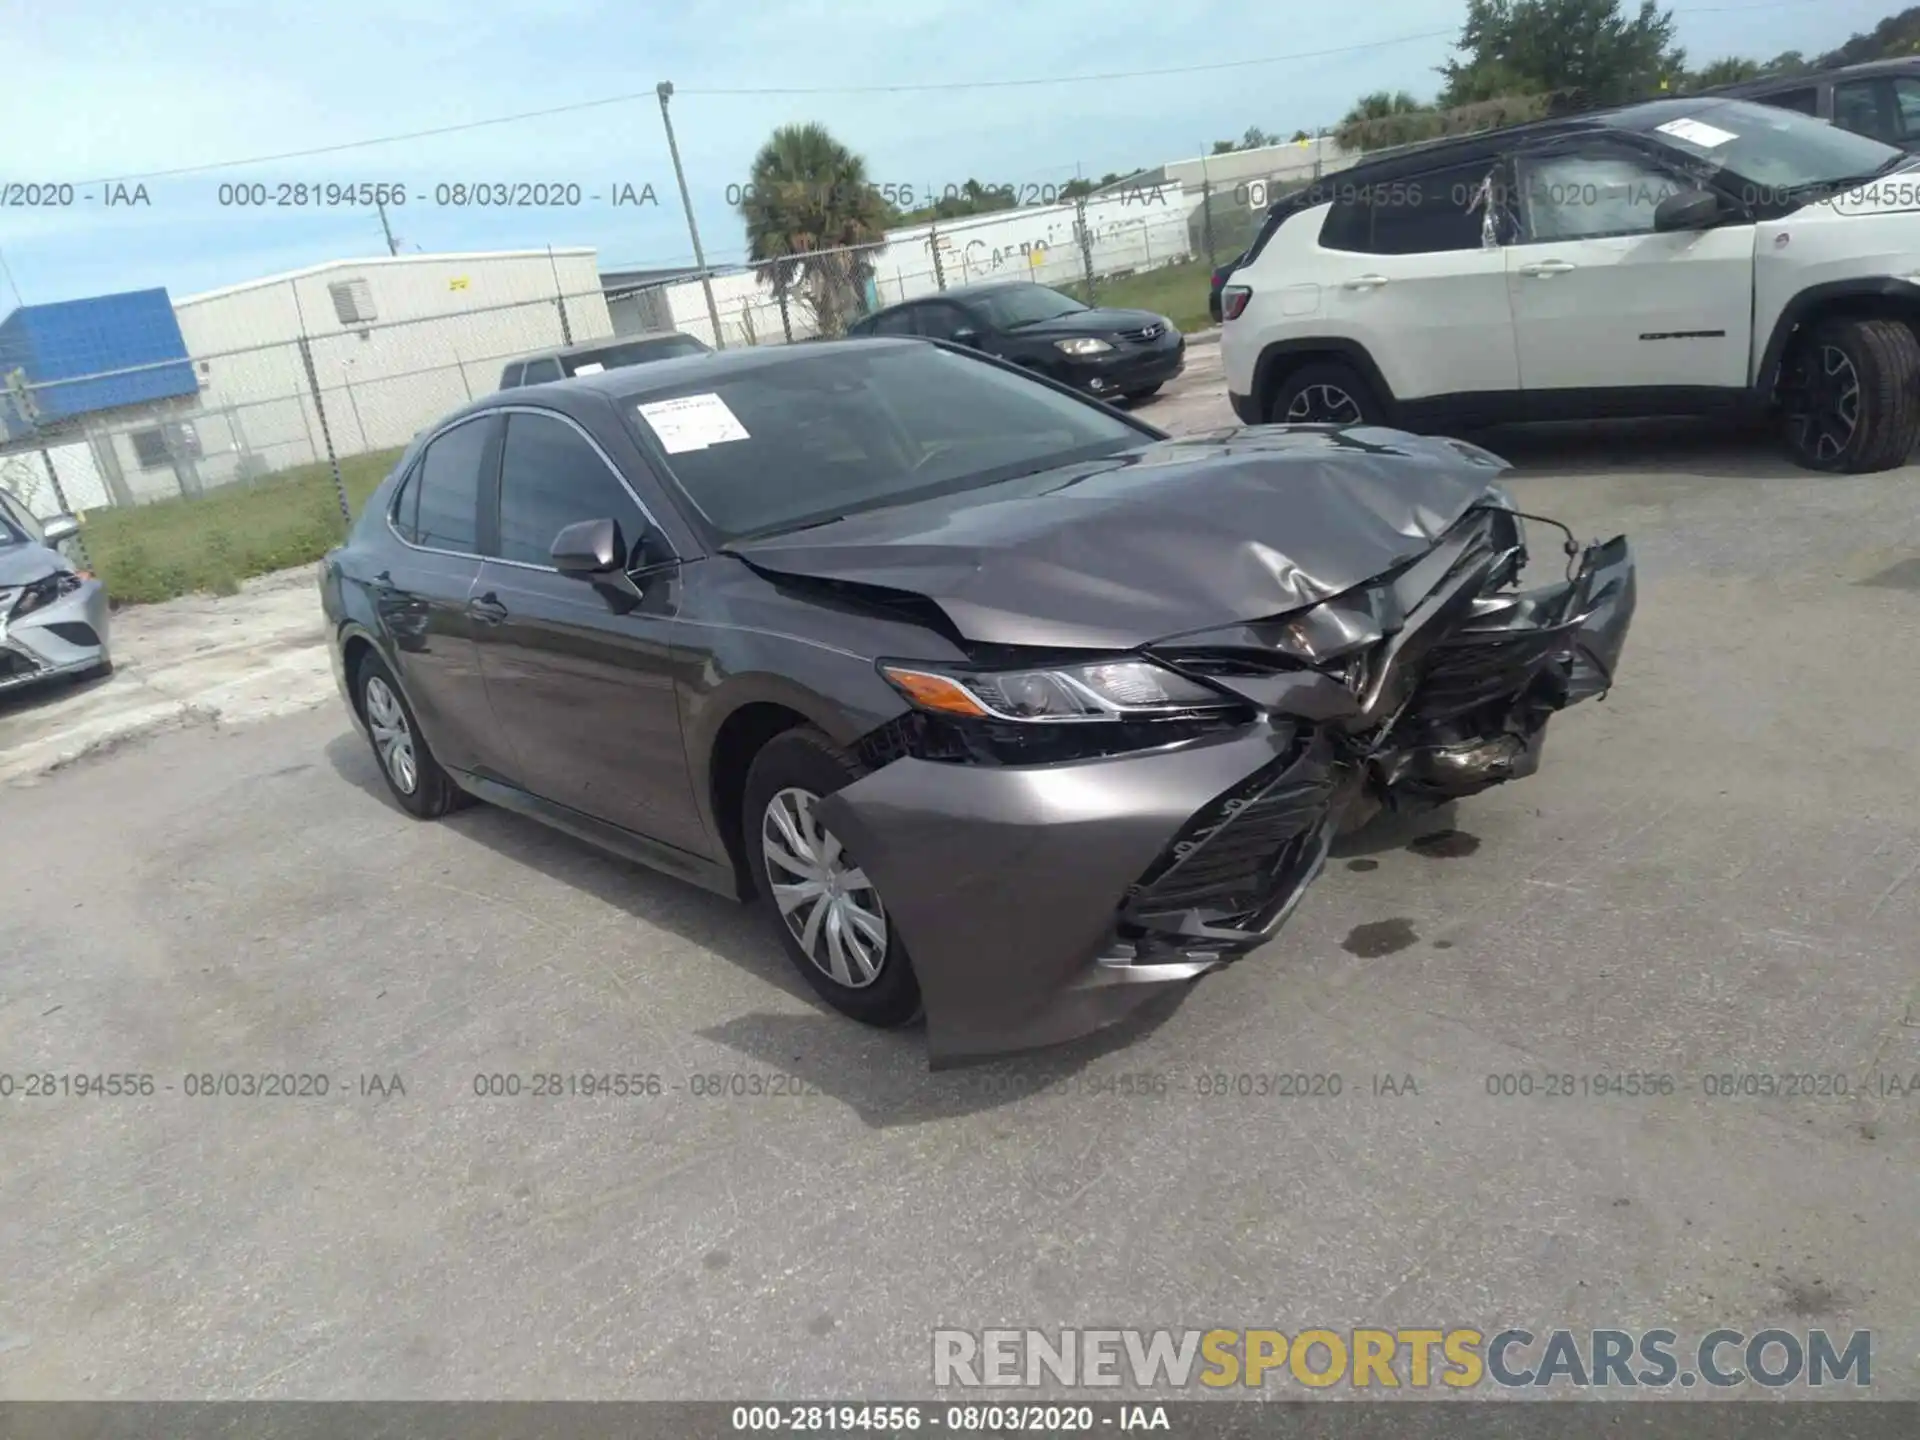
<point x="421" y="594"/>
<point x="1604" y="302"/>
<point x="579" y="672"/>
<point x="1412" y="272"/>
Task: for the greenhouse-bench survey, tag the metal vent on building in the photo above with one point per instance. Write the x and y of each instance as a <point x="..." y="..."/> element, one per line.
<point x="352" y="301"/>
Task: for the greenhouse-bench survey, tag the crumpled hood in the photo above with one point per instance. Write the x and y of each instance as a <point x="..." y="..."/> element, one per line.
<point x="1177" y="536"/>
<point x="20" y="564"/>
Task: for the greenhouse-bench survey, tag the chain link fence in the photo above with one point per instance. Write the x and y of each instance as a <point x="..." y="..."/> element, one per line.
<point x="338" y="390"/>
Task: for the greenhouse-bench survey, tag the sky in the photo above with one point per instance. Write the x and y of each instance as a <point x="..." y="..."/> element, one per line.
<point x="98" y="91"/>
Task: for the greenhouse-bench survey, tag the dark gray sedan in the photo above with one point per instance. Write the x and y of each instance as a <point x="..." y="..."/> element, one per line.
<point x="1006" y="705"/>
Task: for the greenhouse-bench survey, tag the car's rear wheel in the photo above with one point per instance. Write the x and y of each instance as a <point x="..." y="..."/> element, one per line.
<point x="1324" y="392"/>
<point x="1850" y="398"/>
<point x="415" y="778"/>
<point x="831" y="919"/>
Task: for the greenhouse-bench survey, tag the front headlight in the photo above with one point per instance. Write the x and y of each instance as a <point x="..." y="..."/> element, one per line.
<point x="1087" y="345"/>
<point x="1100" y="690"/>
<point x="46" y="590"/>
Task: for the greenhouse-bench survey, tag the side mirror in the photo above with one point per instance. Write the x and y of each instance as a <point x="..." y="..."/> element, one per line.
<point x="966" y="335"/>
<point x="59" y="527"/>
<point x="1688" y="210"/>
<point x="588" y="548"/>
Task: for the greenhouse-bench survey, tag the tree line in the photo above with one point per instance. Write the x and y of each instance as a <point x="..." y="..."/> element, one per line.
<point x="1519" y="60"/>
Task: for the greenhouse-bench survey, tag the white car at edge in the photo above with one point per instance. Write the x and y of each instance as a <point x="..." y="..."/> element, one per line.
<point x="1675" y="257"/>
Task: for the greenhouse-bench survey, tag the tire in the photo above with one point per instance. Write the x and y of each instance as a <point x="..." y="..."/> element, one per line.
<point x="432" y="792"/>
<point x="791" y="771"/>
<point x="1312" y="395"/>
<point x="1147" y="394"/>
<point x="1851" y="396"/>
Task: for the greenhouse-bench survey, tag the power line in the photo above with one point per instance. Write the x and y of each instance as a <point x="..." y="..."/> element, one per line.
<point x="577" y="106"/>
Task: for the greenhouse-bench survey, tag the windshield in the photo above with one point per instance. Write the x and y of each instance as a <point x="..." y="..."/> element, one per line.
<point x="796" y="443"/>
<point x="1019" y="305"/>
<point x="616" y="356"/>
<point x="1772" y="149"/>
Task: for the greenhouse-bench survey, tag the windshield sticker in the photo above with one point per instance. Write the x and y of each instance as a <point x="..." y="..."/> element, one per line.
<point x="693" y="422"/>
<point x="592" y="367"/>
<point x="1697" y="132"/>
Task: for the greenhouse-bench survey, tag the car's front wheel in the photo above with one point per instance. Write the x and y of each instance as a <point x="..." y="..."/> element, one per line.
<point x="1850" y="397"/>
<point x="832" y="922"/>
<point x="1136" y="396"/>
<point x="1324" y="392"/>
<point x="416" y="779"/>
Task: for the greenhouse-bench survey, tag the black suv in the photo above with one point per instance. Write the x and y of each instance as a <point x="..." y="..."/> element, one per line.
<point x="597" y="355"/>
<point x="1114" y="354"/>
<point x="1880" y="99"/>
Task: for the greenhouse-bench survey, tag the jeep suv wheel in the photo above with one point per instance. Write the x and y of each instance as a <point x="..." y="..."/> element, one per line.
<point x="1850" y="396"/>
<point x="1324" y="392"/>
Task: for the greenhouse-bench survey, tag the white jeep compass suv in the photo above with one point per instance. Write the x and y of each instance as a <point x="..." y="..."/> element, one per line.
<point x="1674" y="257"/>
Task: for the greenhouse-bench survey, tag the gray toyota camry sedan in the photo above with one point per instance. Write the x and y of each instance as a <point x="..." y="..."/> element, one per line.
<point x="1008" y="707"/>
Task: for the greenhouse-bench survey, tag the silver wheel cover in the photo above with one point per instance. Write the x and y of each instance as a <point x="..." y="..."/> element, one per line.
<point x="829" y="905"/>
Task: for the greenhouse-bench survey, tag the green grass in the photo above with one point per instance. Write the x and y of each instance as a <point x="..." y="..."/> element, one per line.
<point x="213" y="542"/>
<point x="1178" y="292"/>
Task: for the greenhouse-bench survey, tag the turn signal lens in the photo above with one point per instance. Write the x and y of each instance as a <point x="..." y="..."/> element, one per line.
<point x="934" y="692"/>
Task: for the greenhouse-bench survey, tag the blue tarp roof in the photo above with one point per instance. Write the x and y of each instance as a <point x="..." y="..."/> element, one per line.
<point x="103" y="333"/>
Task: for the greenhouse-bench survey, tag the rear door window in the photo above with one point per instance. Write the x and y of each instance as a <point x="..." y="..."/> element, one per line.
<point x="1431" y="214"/>
<point x="1806" y="100"/>
<point x="539" y="372"/>
<point x="898" y="321"/>
<point x="510" y="377"/>
<point x="446" y="486"/>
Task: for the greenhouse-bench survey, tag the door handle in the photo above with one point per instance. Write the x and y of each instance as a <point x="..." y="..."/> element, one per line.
<point x="1546" y="269"/>
<point x="1365" y="282"/>
<point x="487" y="609"/>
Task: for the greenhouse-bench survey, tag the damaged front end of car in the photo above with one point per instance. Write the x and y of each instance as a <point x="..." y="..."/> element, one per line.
<point x="1061" y="836"/>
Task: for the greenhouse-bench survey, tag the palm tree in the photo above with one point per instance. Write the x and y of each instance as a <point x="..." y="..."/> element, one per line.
<point x="807" y="200"/>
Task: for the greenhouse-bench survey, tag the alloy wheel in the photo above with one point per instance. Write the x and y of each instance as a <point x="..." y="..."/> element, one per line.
<point x="1323" y="404"/>
<point x="828" y="903"/>
<point x="1830" y="404"/>
<point x="392" y="736"/>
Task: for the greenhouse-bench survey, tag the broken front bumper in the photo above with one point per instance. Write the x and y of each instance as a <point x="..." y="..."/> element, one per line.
<point x="66" y="636"/>
<point x="1044" y="902"/>
<point x="1010" y="884"/>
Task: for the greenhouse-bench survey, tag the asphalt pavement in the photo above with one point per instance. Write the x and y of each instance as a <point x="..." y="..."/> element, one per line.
<point x="1716" y="875"/>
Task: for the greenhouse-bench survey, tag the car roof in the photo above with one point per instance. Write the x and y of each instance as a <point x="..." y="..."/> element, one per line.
<point x="1768" y="84"/>
<point x="628" y="383"/>
<point x="1422" y="156"/>
<point x="606" y="342"/>
<point x="961" y="292"/>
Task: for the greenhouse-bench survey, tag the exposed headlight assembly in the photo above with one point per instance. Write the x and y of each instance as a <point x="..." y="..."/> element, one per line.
<point x="1086" y="345"/>
<point x="1104" y="690"/>
<point x="46" y="590"/>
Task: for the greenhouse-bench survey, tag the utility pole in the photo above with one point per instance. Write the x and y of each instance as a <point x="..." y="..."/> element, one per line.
<point x="665" y="91"/>
<point x="386" y="229"/>
<point x="8" y="273"/>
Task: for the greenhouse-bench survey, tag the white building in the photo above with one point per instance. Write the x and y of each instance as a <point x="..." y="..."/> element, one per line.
<point x="1276" y="165"/>
<point x="393" y="342"/>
